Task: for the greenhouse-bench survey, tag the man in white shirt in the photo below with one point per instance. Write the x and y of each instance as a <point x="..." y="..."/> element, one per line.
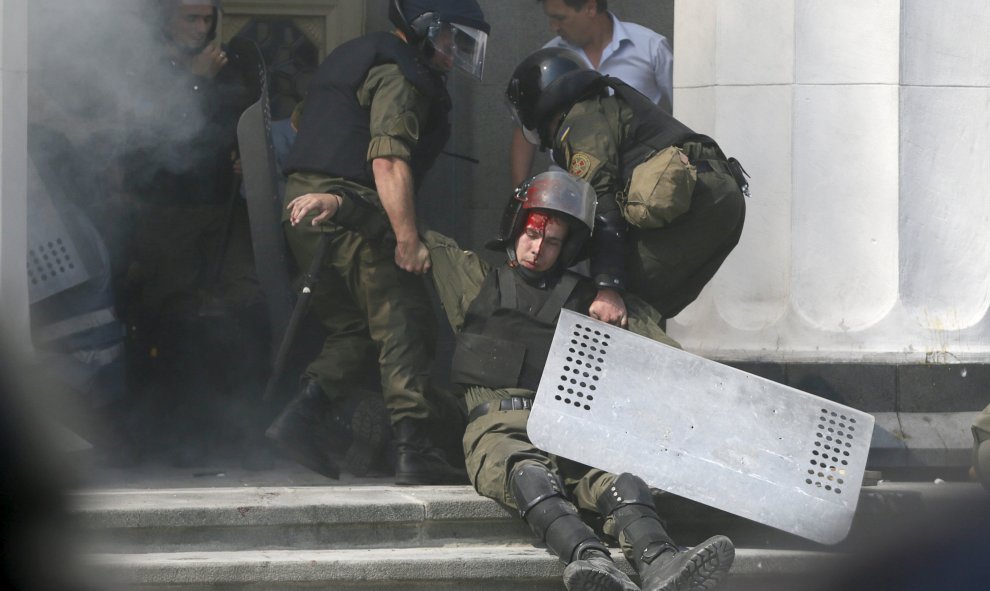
<point x="632" y="53"/>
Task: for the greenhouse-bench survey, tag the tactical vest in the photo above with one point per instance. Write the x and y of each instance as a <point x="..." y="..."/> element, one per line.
<point x="508" y="329"/>
<point x="334" y="132"/>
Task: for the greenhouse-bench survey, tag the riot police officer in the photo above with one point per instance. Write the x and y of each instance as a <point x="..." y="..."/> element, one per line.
<point x="670" y="204"/>
<point x="375" y="118"/>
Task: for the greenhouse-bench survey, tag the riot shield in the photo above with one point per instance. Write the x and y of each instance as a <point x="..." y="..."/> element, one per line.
<point x="620" y="402"/>
<point x="56" y="261"/>
<point x="271" y="254"/>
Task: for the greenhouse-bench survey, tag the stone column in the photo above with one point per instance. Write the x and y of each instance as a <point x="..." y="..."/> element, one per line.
<point x="863" y="273"/>
<point x="866" y="127"/>
<point x="13" y="172"/>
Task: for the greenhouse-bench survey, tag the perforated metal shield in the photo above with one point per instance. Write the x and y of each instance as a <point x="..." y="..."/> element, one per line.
<point x="55" y="261"/>
<point x="254" y="141"/>
<point x="620" y="402"/>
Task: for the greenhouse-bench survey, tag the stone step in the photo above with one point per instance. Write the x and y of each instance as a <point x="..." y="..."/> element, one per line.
<point x="445" y="538"/>
<point x="468" y="567"/>
<point x="378" y="516"/>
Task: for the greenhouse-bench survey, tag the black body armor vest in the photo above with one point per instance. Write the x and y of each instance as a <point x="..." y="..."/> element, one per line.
<point x="334" y="132"/>
<point x="508" y="329"/>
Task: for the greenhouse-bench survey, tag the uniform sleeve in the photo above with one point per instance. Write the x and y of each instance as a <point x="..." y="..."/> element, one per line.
<point x="587" y="145"/>
<point x="645" y="321"/>
<point x="457" y="275"/>
<point x="396" y="111"/>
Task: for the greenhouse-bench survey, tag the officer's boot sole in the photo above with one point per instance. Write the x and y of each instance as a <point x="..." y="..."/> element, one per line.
<point x="701" y="568"/>
<point x="368" y="424"/>
<point x="598" y="574"/>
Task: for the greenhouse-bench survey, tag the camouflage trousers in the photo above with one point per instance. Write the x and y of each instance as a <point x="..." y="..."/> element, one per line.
<point x="371" y="310"/>
<point x="495" y="443"/>
<point x="669" y="266"/>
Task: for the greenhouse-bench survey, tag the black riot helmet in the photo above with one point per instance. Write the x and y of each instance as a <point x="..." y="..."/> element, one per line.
<point x="559" y="194"/>
<point x="548" y="80"/>
<point x="455" y="29"/>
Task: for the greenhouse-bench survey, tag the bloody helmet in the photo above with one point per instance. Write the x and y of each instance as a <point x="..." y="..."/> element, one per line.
<point x="560" y="194"/>
<point x="546" y="81"/>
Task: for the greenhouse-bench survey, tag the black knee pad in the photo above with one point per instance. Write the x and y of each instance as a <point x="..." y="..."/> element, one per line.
<point x="630" y="503"/>
<point x="627" y="490"/>
<point x="540" y="498"/>
<point x="531" y="483"/>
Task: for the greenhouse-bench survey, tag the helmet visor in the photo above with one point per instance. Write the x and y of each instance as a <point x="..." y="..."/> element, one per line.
<point x="459" y="46"/>
<point x="532" y="136"/>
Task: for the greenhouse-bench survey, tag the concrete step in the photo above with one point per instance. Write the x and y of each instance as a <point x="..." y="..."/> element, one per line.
<point x="376" y="536"/>
<point x="486" y="567"/>
<point x="375" y="516"/>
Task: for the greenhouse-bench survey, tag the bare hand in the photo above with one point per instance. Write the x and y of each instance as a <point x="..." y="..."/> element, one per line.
<point x="324" y="204"/>
<point x="209" y="62"/>
<point x="412" y="256"/>
<point x="609" y="307"/>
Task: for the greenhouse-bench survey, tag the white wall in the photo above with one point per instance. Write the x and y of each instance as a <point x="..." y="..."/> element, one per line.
<point x="865" y="125"/>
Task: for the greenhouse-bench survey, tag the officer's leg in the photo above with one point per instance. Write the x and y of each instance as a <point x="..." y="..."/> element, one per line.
<point x="541" y="501"/>
<point x="630" y="516"/>
<point x="671" y="265"/>
<point x="316" y="427"/>
<point x="504" y="465"/>
<point x="401" y="323"/>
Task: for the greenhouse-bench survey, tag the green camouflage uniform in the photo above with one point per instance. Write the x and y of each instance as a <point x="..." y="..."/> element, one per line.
<point x="496" y="442"/>
<point x="667" y="266"/>
<point x="369" y="306"/>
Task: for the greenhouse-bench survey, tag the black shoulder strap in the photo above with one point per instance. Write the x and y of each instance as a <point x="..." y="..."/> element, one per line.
<point x="558" y="297"/>
<point x="507" y="287"/>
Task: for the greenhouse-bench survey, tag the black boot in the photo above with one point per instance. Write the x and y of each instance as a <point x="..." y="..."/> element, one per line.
<point x="301" y="432"/>
<point x="662" y="566"/>
<point x="689" y="569"/>
<point x="541" y="501"/>
<point x="418" y="461"/>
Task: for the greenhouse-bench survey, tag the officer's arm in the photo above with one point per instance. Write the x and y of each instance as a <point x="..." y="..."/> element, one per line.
<point x="587" y="144"/>
<point x="394" y="180"/>
<point x="346" y="208"/>
<point x="457" y="275"/>
<point x="396" y="111"/>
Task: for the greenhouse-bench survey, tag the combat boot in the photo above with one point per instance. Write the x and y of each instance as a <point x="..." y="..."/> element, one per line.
<point x="541" y="501"/>
<point x="662" y="566"/>
<point x="301" y="433"/>
<point x="418" y="461"/>
<point x="689" y="569"/>
<point x="596" y="571"/>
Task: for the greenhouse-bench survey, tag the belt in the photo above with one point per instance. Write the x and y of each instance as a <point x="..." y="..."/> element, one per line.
<point x="511" y="403"/>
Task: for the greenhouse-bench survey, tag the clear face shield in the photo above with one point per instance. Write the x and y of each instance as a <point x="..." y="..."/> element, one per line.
<point x="458" y="46"/>
<point x="513" y="102"/>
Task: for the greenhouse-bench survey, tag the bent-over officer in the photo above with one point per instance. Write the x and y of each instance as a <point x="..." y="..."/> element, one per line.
<point x="670" y="204"/>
